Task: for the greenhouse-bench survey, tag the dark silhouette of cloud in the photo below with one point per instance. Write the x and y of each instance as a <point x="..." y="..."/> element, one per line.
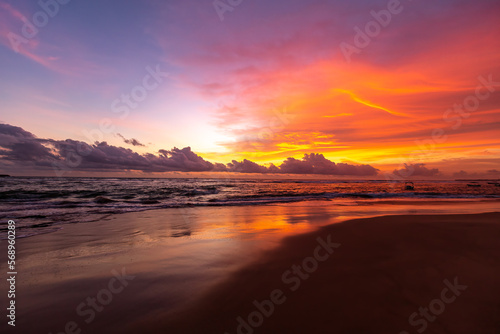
<point x="246" y="166"/>
<point x="183" y="160"/>
<point x="17" y="145"/>
<point x="318" y="164"/>
<point x="416" y="170"/>
<point x="20" y="147"/>
<point x="131" y="141"/>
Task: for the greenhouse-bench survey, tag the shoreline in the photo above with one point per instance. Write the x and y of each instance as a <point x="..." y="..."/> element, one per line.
<point x="340" y="202"/>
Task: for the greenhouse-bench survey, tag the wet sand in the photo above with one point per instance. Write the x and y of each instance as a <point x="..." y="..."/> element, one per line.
<point x="197" y="270"/>
<point x="444" y="268"/>
<point x="175" y="256"/>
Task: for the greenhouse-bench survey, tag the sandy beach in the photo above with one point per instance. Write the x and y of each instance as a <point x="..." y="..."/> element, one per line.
<point x="198" y="270"/>
<point x="442" y="272"/>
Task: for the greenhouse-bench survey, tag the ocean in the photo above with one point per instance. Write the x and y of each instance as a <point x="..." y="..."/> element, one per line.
<point x="44" y="204"/>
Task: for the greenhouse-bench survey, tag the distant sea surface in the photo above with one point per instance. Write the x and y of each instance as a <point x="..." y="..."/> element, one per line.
<point x="42" y="205"/>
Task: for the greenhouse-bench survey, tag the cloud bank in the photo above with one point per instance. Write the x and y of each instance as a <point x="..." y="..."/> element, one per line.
<point x="416" y="170"/>
<point x="19" y="147"/>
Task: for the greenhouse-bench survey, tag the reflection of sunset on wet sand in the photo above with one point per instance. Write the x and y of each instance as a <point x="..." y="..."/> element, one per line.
<point x="180" y="255"/>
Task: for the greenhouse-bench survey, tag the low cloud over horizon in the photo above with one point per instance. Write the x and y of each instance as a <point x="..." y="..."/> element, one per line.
<point x="20" y="148"/>
<point x="416" y="170"/>
<point x="23" y="152"/>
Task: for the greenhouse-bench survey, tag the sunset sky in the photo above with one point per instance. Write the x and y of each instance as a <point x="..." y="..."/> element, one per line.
<point x="375" y="83"/>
